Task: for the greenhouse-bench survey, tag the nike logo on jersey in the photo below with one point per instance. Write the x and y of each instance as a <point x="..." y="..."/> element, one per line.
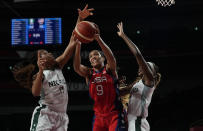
<point x="56" y="82"/>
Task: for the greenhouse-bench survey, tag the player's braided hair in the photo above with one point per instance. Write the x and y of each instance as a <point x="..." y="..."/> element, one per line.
<point x="157" y="77"/>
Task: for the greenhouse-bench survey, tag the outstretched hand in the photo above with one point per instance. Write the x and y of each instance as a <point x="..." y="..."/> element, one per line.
<point x="85" y="12"/>
<point x="120" y="28"/>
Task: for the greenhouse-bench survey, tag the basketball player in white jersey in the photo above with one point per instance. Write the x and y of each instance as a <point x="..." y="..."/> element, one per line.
<point x="140" y="90"/>
<point x="50" y="84"/>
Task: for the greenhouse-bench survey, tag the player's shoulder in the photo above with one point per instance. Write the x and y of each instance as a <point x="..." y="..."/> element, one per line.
<point x="113" y="73"/>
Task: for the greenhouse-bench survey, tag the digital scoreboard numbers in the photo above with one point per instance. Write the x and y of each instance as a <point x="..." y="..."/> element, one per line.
<point x="36" y="31"/>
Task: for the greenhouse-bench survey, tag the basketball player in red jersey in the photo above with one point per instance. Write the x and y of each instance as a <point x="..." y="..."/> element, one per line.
<point x="103" y="89"/>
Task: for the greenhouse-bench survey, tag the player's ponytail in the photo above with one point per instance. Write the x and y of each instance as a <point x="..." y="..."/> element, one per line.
<point x="157" y="79"/>
<point x="23" y="75"/>
<point x="23" y="71"/>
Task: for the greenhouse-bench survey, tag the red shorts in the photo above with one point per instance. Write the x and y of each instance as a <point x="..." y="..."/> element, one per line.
<point x="108" y="122"/>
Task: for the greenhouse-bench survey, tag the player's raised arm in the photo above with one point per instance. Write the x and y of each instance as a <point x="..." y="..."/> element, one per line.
<point x="67" y="54"/>
<point x="37" y="82"/>
<point x="78" y="67"/>
<point x="148" y="76"/>
<point x="111" y="61"/>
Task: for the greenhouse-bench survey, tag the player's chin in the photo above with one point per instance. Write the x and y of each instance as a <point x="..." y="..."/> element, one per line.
<point x="93" y="65"/>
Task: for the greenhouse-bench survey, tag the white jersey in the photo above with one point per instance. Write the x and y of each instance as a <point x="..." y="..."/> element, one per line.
<point x="139" y="100"/>
<point x="54" y="91"/>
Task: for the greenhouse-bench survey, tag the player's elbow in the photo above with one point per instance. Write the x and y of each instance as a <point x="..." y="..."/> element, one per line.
<point x="112" y="66"/>
<point x="75" y="67"/>
<point x="35" y="92"/>
<point x="78" y="72"/>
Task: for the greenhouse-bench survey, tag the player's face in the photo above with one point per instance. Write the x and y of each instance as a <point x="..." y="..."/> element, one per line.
<point x="95" y="58"/>
<point x="50" y="60"/>
<point x="151" y="67"/>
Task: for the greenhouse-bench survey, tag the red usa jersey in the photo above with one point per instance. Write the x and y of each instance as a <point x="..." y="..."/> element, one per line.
<point x="104" y="92"/>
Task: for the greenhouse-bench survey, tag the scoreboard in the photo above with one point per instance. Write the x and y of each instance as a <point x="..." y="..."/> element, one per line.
<point x="36" y="31"/>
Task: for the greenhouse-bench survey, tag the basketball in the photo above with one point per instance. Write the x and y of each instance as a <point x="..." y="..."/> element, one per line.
<point x="85" y="31"/>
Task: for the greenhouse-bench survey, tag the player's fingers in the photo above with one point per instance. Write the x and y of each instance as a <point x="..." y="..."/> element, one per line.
<point x="97" y="27"/>
<point x="74" y="38"/>
<point x="77" y="41"/>
<point x="38" y="54"/>
<point x="86" y="13"/>
<point x="91" y="9"/>
<point x="120" y="24"/>
<point x="86" y="6"/>
<point x="91" y="13"/>
<point x="72" y="33"/>
<point x="79" y="10"/>
<point x="42" y="61"/>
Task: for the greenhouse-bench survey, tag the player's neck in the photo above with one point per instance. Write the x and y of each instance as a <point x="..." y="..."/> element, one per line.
<point x="98" y="68"/>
